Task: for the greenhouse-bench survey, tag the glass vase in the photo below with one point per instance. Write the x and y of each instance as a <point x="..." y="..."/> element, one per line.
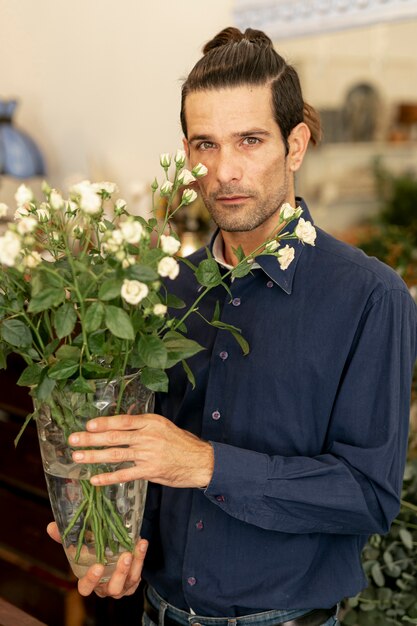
<point x="96" y="524"/>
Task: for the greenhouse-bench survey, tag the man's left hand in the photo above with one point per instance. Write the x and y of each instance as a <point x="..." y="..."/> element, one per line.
<point x="161" y="452"/>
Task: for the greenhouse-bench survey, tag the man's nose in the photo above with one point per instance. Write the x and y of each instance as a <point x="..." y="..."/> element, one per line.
<point x="228" y="166"/>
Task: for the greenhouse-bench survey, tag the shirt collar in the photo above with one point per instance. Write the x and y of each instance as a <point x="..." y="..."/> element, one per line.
<point x="269" y="264"/>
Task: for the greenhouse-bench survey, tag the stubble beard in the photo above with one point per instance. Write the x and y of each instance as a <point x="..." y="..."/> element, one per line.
<point x="235" y="218"/>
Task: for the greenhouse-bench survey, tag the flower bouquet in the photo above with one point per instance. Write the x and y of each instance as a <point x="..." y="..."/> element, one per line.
<point x="85" y="301"/>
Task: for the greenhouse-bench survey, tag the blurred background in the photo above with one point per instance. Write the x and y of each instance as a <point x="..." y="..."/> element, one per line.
<point x="91" y="89"/>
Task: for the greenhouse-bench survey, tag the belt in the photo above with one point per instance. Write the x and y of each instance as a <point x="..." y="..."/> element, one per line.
<point x="313" y="618"/>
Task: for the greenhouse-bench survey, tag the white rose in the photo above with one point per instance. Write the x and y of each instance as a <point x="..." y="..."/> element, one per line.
<point x="287" y="211"/>
<point x="56" y="200"/>
<point x="128" y="261"/>
<point x="185" y="177"/>
<point x="9" y="248"/>
<point x="133" y="291"/>
<point x="43" y="212"/>
<point x="21" y="212"/>
<point x="3" y="209"/>
<point x="120" y="204"/>
<point x="32" y="260"/>
<point x="166" y="188"/>
<point x="23" y="195"/>
<point x="188" y="196"/>
<point x="90" y="202"/>
<point x="55" y="236"/>
<point x="285" y="257"/>
<point x="271" y="246"/>
<point x="105" y="186"/>
<point x="180" y="158"/>
<point x="131" y="231"/>
<point x="169" y="244"/>
<point x="165" y="159"/>
<point x="168" y="267"/>
<point x="26" y="225"/>
<point x="199" y="170"/>
<point x="305" y="232"/>
<point x="159" y="309"/>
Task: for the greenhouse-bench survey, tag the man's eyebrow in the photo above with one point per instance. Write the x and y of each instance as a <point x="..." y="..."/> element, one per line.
<point x="243" y="133"/>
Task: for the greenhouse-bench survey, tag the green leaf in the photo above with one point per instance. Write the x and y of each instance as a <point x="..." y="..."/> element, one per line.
<point x="173" y="302"/>
<point x="95" y="370"/>
<point x="377" y="575"/>
<point x="179" y="347"/>
<point x="16" y="333"/>
<point x="94" y="316"/>
<point x="110" y="289"/>
<point x="406" y="538"/>
<point x="216" y="312"/>
<point x="64" y="320"/>
<point x="153" y="351"/>
<point x="143" y="273"/>
<point x="3" y="357"/>
<point x="239" y="254"/>
<point x="51" y="347"/>
<point x="154" y="379"/>
<point x="189" y="373"/>
<point x="46" y="299"/>
<point x="44" y="389"/>
<point x="30" y="376"/>
<point x="62" y="370"/>
<point x="81" y="385"/>
<point x="241" y="270"/>
<point x="42" y="280"/>
<point x="208" y="273"/>
<point x="236" y="333"/>
<point x="68" y="353"/>
<point x="118" y="323"/>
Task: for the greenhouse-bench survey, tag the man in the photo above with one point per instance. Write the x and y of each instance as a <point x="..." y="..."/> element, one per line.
<point x="269" y="476"/>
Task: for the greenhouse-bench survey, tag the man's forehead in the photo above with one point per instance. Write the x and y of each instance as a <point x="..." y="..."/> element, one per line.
<point x="232" y="109"/>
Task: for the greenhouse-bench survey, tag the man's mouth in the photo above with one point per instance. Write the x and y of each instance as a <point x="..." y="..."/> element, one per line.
<point x="232" y="199"/>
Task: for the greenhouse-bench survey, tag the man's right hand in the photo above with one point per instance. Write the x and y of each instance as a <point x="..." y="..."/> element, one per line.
<point x="124" y="580"/>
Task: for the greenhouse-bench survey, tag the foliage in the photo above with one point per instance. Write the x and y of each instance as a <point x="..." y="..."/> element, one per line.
<point x="389" y="561"/>
<point x="391" y="567"/>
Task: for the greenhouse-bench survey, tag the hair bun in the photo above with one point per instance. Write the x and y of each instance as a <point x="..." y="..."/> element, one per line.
<point x="232" y="34"/>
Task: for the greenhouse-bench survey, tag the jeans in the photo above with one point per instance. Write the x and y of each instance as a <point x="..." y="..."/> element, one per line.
<point x="267" y="618"/>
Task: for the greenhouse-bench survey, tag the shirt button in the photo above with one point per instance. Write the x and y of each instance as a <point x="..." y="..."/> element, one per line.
<point x="215" y="415"/>
<point x="269" y="284"/>
<point x="220" y="498"/>
<point x="199" y="525"/>
<point x="223" y="355"/>
<point x="191" y="581"/>
<point x="236" y="301"/>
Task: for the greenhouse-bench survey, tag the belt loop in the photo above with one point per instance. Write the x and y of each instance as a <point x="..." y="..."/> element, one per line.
<point x="161" y="612"/>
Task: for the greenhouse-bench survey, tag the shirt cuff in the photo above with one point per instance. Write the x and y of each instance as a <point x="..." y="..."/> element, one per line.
<point x="237" y="472"/>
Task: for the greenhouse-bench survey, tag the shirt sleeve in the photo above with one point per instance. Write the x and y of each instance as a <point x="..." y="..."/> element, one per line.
<point x="354" y="485"/>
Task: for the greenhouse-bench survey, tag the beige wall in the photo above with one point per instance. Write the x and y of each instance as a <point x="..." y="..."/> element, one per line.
<point x="99" y="80"/>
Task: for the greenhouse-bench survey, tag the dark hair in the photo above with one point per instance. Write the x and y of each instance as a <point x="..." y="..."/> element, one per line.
<point x="233" y="58"/>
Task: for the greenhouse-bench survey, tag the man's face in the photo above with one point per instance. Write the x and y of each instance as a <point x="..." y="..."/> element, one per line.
<point x="234" y="134"/>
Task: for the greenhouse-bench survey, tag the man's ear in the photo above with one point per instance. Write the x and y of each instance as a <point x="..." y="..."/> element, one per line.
<point x="186" y="147"/>
<point x="298" y="143"/>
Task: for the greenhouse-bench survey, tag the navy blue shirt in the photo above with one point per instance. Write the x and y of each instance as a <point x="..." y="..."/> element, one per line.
<point x="309" y="432"/>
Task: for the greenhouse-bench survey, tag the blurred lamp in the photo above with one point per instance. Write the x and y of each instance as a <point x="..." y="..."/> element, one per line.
<point x="19" y="155"/>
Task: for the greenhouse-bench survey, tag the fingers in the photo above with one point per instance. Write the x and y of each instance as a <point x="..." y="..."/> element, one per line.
<point x="121" y="476"/>
<point x="117" y="422"/>
<point x="88" y="583"/>
<point x="53" y="532"/>
<point x="124" y="580"/>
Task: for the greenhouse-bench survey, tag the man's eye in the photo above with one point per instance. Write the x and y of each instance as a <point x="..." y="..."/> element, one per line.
<point x="251" y="141"/>
<point x="205" y="145"/>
